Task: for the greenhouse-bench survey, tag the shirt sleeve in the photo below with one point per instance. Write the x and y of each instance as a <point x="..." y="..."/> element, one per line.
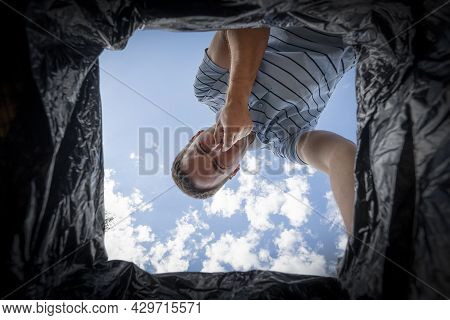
<point x="207" y="75"/>
<point x="288" y="148"/>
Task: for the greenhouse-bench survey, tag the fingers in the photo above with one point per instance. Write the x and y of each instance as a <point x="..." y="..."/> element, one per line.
<point x="227" y="140"/>
<point x="230" y="137"/>
<point x="242" y="134"/>
<point x="218" y="134"/>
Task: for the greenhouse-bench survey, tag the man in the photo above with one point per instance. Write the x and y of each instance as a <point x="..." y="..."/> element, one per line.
<point x="268" y="88"/>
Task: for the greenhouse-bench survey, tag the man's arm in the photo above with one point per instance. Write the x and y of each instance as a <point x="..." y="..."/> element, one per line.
<point x="335" y="156"/>
<point x="246" y="50"/>
<point x="219" y="51"/>
<point x="247" y="47"/>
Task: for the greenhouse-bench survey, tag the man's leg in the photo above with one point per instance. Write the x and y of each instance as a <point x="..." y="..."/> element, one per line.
<point x="334" y="155"/>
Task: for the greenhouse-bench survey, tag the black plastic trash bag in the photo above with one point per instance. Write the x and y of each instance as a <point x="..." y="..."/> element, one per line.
<point x="51" y="161"/>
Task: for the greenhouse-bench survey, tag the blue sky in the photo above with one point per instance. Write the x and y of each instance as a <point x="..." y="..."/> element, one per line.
<point x="283" y="221"/>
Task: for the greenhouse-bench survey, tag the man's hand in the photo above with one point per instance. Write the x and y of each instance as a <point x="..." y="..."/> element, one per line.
<point x="246" y="47"/>
<point x="234" y="123"/>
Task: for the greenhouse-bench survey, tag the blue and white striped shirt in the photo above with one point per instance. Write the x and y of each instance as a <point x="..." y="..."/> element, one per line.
<point x="298" y="73"/>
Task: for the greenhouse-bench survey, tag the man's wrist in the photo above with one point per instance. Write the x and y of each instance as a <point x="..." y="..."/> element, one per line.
<point x="239" y="92"/>
<point x="241" y="85"/>
<point x="237" y="102"/>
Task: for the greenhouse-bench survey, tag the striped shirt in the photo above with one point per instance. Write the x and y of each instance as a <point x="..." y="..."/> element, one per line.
<point x="298" y="73"/>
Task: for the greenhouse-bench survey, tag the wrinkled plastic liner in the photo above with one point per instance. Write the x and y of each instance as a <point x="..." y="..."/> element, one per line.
<point x="51" y="156"/>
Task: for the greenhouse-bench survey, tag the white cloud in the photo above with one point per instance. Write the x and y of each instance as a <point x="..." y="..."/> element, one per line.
<point x="262" y="201"/>
<point x="291" y="168"/>
<point x="205" y="240"/>
<point x="225" y="203"/>
<point x="243" y="253"/>
<point x="310" y="170"/>
<point x="143" y="234"/>
<point x="175" y="253"/>
<point x="295" y="257"/>
<point x="238" y="252"/>
<point x="133" y="156"/>
<point x="342" y="242"/>
<point x="264" y="255"/>
<point x="260" y="198"/>
<point x="296" y="206"/>
<point x="287" y="239"/>
<point x="334" y="220"/>
<point x="124" y="240"/>
<point x="256" y="197"/>
<point x="333" y="215"/>
<point x="252" y="164"/>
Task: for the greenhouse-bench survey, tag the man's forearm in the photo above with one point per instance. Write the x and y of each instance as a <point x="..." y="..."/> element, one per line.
<point x="247" y="47"/>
